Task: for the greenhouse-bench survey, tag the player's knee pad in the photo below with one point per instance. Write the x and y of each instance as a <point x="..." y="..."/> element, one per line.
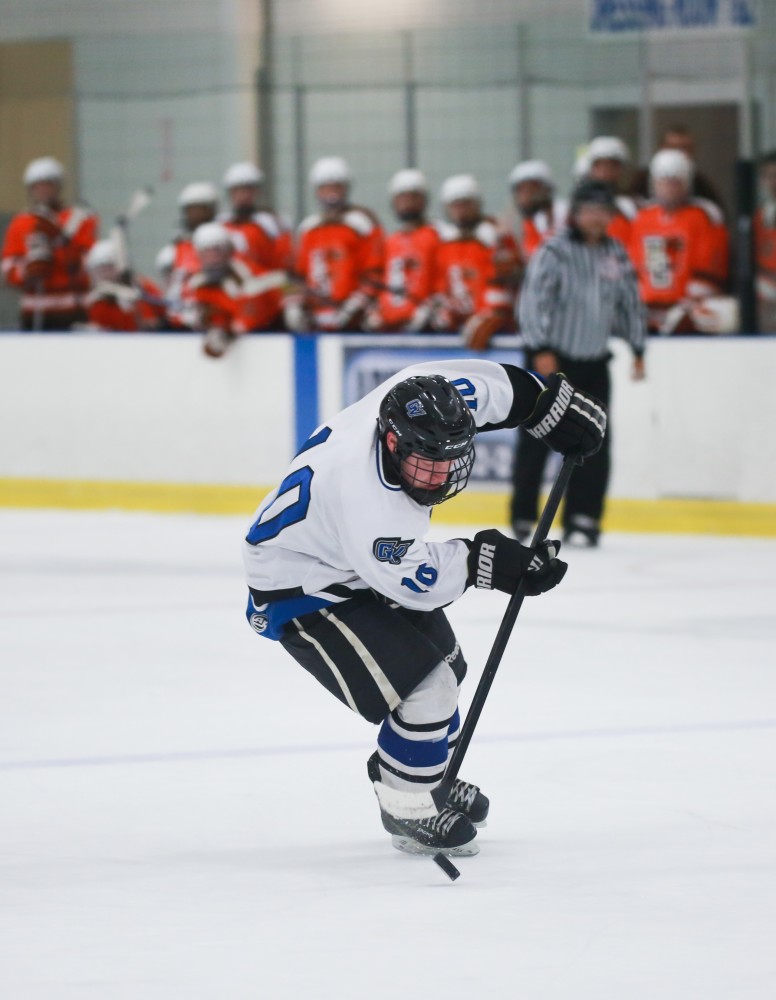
<point x="433" y="700"/>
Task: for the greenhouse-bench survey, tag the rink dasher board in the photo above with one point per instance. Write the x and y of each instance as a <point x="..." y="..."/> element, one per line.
<point x="145" y="422"/>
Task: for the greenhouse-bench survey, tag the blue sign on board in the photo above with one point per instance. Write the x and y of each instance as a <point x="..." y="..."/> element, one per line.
<point x="616" y="16"/>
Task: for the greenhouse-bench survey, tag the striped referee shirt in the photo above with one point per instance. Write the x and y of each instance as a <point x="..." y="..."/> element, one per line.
<point x="577" y="295"/>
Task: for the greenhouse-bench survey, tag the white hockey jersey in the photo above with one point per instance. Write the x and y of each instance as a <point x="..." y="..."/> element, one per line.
<point x="337" y="524"/>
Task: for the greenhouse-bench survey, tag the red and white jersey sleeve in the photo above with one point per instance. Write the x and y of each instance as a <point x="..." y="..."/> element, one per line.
<point x="69" y="233"/>
<point x="233" y="304"/>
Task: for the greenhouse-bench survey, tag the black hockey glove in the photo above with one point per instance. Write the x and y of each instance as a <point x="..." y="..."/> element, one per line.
<point x="497" y="562"/>
<point x="567" y="420"/>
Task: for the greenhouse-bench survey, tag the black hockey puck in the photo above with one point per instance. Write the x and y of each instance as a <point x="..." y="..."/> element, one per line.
<point x="447" y="866"/>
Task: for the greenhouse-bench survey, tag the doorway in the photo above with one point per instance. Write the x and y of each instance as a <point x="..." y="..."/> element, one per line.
<point x="713" y="126"/>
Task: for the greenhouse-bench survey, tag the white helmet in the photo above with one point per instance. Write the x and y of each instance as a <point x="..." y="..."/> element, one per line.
<point x="165" y="259"/>
<point x="581" y="166"/>
<point x="460" y="186"/>
<point x="531" y="170"/>
<point x="198" y="193"/>
<point x="671" y="163"/>
<point x="330" y="170"/>
<point x="240" y="174"/>
<point x="46" y="168"/>
<point x="103" y="253"/>
<point x="408" y="180"/>
<point x="608" y="147"/>
<point x="211" y="235"/>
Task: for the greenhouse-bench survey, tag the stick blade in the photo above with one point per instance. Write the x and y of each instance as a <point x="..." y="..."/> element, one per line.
<point x="140" y="200"/>
<point x="447" y="866"/>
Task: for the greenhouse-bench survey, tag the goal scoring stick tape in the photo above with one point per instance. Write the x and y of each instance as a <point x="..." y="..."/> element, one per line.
<point x="442" y="792"/>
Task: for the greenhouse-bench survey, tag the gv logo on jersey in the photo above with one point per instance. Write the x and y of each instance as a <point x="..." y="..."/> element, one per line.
<point x="259" y="622"/>
<point x="391" y="550"/>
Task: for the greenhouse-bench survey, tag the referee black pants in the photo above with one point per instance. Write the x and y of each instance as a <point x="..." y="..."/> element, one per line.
<point x="587" y="488"/>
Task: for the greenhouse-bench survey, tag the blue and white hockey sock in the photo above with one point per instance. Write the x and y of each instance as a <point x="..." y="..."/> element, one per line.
<point x="453" y="732"/>
<point x="412" y="757"/>
<point x="412" y="743"/>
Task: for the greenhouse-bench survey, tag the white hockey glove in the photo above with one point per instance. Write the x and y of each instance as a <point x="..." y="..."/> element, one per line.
<point x="716" y="314"/>
<point x="295" y="315"/>
<point x="351" y="310"/>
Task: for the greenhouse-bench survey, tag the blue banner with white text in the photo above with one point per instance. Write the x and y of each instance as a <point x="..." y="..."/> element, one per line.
<point x="619" y="16"/>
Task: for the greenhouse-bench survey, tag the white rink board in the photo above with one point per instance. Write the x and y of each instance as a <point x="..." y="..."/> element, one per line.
<point x="145" y="408"/>
<point x="154" y="409"/>
<point x="186" y="815"/>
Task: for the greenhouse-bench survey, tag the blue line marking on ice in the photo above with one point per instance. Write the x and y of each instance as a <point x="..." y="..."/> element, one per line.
<point x="548" y="736"/>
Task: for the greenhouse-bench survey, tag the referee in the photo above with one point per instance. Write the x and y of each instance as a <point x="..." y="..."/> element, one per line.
<point x="580" y="289"/>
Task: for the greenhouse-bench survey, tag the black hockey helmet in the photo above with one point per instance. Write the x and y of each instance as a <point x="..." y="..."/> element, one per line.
<point x="593" y="192"/>
<point x="434" y="431"/>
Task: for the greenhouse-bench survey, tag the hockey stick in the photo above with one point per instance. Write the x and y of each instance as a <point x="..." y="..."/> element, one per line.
<point x="427" y="804"/>
<point x="442" y="792"/>
<point x="119" y="233"/>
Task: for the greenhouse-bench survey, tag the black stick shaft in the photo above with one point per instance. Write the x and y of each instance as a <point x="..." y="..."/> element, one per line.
<point x="441" y="793"/>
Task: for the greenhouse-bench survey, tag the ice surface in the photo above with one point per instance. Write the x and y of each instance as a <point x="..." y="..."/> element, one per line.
<point x="184" y="814"/>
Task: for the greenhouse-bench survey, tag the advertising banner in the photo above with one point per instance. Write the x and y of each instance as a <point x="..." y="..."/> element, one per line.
<point x="619" y="16"/>
<point x="366" y="367"/>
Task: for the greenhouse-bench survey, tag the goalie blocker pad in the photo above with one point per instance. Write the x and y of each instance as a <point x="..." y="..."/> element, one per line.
<point x="567" y="420"/>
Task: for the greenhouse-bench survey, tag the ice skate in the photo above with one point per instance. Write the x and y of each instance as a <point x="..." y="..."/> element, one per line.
<point x="469" y="800"/>
<point x="464" y="798"/>
<point x="582" y="533"/>
<point x="451" y="831"/>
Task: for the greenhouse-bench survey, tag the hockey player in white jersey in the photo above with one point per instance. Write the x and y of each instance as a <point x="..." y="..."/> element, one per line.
<point x="340" y="573"/>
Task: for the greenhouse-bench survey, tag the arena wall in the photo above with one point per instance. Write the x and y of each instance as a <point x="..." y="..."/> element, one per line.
<point x="150" y="422"/>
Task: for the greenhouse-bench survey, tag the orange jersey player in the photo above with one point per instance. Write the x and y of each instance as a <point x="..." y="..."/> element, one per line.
<point x="259" y="233"/>
<point x="198" y="203"/>
<point x="621" y="226"/>
<point x="606" y="160"/>
<point x="228" y="295"/>
<point x="118" y="303"/>
<point x="44" y="249"/>
<point x="541" y="214"/>
<point x="478" y="266"/>
<point x="408" y="285"/>
<point x="339" y="256"/>
<point x="679" y="245"/>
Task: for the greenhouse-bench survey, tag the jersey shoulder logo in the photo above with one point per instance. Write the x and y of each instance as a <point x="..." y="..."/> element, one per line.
<point x="391" y="550"/>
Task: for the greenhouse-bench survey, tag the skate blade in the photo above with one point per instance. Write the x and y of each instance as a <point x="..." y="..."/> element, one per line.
<point x="409" y="846"/>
